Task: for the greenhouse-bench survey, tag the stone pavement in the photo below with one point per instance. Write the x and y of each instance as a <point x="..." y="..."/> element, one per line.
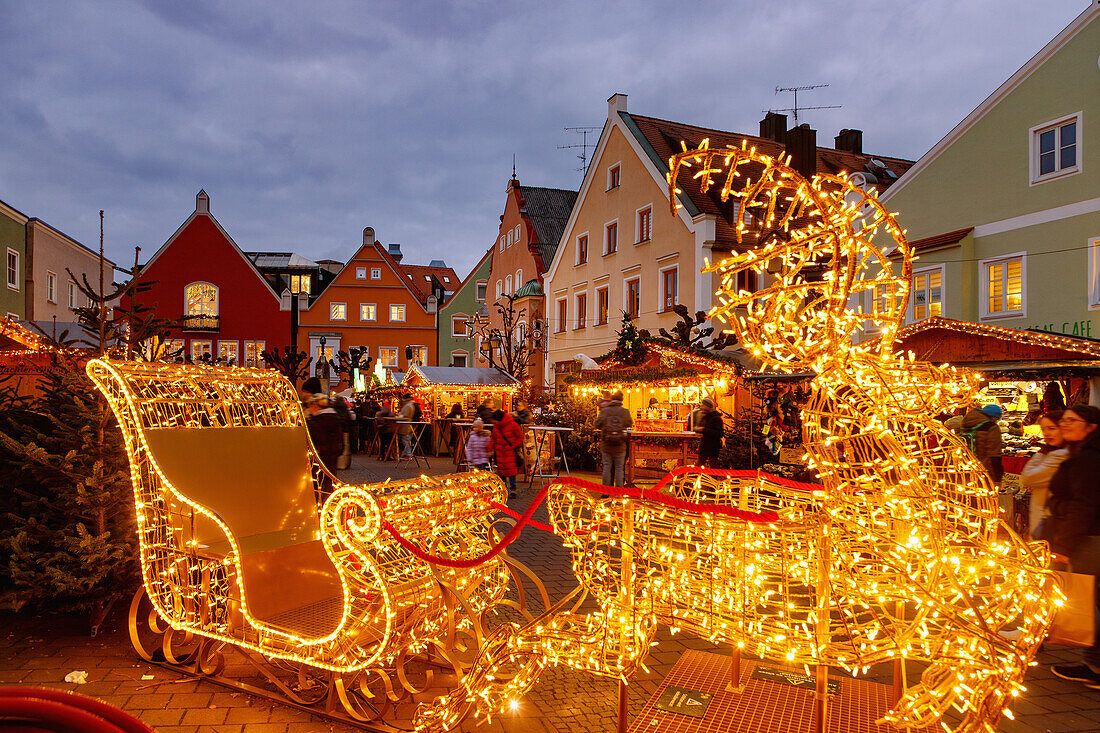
<point x="40" y="651"/>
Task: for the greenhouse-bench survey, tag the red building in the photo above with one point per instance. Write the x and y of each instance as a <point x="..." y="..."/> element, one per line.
<point x="229" y="309"/>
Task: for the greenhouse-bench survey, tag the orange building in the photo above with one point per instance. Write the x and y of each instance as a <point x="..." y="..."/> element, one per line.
<point x="377" y="303"/>
<point x="530" y="227"/>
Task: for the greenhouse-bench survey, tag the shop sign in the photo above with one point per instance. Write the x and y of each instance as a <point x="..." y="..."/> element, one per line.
<point x="1010" y="482"/>
<point x="1069" y="328"/>
<point x="792" y="456"/>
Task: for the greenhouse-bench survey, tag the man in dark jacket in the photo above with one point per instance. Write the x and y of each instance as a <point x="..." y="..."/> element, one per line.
<point x="613" y="422"/>
<point x="983" y="434"/>
<point x="713" y="429"/>
<point x="326" y="430"/>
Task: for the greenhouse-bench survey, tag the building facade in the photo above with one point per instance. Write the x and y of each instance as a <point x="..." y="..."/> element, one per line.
<point x="228" y="310"/>
<point x="13" y="244"/>
<point x="1004" y="211"/>
<point x="457" y="347"/>
<point x="622" y="250"/>
<point x="378" y="304"/>
<point x="49" y="291"/>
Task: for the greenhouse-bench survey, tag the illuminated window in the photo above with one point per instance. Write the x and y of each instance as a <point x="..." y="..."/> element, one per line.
<point x="611" y="238"/>
<point x="368" y="312"/>
<point x="13" y="269"/>
<point x="601" y="306"/>
<point x="301" y="284"/>
<point x="419" y="355"/>
<point x="338" y="311"/>
<point x="1055" y="148"/>
<point x="173" y="349"/>
<point x="582" y="249"/>
<point x="613" y="175"/>
<point x="387" y="356"/>
<point x="397" y="313"/>
<point x="1003" y="286"/>
<point x="202" y="299"/>
<point x="582" y="309"/>
<point x="200" y="351"/>
<point x="253" y="353"/>
<point x="227" y="352"/>
<point x="669" y="288"/>
<point x="645" y="224"/>
<point x="633" y="297"/>
<point x="883" y="299"/>
<point x="563" y="315"/>
<point x="927" y="294"/>
<point x="51" y="287"/>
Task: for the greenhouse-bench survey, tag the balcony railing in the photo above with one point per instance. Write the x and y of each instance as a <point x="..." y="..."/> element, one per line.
<point x="200" y="323"/>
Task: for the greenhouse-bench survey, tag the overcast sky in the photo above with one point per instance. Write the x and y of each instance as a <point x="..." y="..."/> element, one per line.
<point x="306" y="122"/>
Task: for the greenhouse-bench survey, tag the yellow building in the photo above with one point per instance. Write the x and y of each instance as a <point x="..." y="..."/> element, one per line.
<point x="623" y="251"/>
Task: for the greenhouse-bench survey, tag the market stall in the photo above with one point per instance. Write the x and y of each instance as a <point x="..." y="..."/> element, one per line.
<point x="441" y="388"/>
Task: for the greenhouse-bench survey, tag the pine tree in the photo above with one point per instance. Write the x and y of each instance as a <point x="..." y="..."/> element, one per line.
<point x="630" y="349"/>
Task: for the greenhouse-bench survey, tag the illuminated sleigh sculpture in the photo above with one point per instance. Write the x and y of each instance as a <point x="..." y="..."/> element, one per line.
<point x="898" y="556"/>
<point x="236" y="548"/>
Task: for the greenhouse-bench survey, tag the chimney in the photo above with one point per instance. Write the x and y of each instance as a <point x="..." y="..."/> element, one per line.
<point x="202" y="202"/>
<point x="616" y="103"/>
<point x="395" y="252"/>
<point x="368" y="236"/>
<point x="802" y="147"/>
<point x="850" y="140"/>
<point x="774" y="127"/>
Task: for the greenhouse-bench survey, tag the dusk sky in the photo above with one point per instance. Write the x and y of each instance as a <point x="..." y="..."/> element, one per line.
<point x="307" y="122"/>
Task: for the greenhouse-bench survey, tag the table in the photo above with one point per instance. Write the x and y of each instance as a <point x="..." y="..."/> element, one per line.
<point x="541" y="432"/>
<point x="418" y="429"/>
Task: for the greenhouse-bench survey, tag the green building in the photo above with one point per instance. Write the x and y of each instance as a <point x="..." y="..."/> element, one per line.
<point x="13" y="243"/>
<point x="1004" y="212"/>
<point x="457" y="344"/>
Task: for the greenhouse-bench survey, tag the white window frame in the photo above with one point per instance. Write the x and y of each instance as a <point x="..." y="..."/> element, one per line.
<point x="577" y="248"/>
<point x="257" y="353"/>
<point x="580" y="316"/>
<point x="607" y="251"/>
<point x="196" y="349"/>
<point x="626" y="293"/>
<point x="360" y="273"/>
<point x="511" y="236"/>
<point x="519" y="278"/>
<point x="1033" y="133"/>
<point x="363" y="306"/>
<point x="1093" y="274"/>
<point x="230" y="345"/>
<point x="500" y="289"/>
<point x="911" y="312"/>
<point x="173" y="345"/>
<point x="11" y="271"/>
<point x="404" y="312"/>
<point x="661" y="286"/>
<point x="562" y="319"/>
<point x="518" y="233"/>
<point x="638" y="224"/>
<point x="503" y="241"/>
<point x="983" y="287"/>
<point x="618" y="165"/>
<point x="72" y="295"/>
<point x="508" y="285"/>
<point x="481" y="290"/>
<point x="465" y="321"/>
<point x="376" y="273"/>
<point x="332" y="311"/>
<point x="606" y="290"/>
<point x="465" y="357"/>
<point x="51" y="286"/>
<point x="217" y="299"/>
<point x="384" y="351"/>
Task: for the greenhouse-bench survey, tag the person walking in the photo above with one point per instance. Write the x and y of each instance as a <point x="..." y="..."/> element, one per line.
<point x="454" y="416"/>
<point x="478" y="446"/>
<point x="385" y="424"/>
<point x="405" y="432"/>
<point x="714" y="430"/>
<point x="983" y="435"/>
<point x="507" y="438"/>
<point x="1037" y="472"/>
<point x="327" y="433"/>
<point x="613" y="422"/>
<point x="1073" y="527"/>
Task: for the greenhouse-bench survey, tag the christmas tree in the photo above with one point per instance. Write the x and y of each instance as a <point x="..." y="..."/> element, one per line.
<point x="630" y="349"/>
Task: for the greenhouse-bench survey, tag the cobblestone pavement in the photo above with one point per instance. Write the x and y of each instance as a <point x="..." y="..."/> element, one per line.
<point x="41" y="651"/>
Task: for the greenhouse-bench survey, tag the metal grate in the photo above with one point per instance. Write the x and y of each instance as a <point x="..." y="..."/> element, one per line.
<point x="762" y="706"/>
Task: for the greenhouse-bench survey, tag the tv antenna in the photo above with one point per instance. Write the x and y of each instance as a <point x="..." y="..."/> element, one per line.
<point x="796" y="90"/>
<point x="583" y="132"/>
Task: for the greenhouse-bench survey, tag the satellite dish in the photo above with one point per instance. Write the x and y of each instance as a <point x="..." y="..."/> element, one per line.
<point x="875" y="165"/>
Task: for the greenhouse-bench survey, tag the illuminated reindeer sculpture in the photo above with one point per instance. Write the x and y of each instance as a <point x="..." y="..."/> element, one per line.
<point x="898" y="555"/>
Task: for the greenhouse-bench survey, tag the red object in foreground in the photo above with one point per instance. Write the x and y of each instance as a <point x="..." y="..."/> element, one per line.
<point x="42" y="709"/>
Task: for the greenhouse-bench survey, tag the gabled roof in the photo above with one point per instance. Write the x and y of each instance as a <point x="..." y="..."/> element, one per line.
<point x="459" y="376"/>
<point x="548" y="209"/>
<point x="1076" y="25"/>
<point x="415" y="275"/>
<point x="472" y="274"/>
<point x="1013" y="344"/>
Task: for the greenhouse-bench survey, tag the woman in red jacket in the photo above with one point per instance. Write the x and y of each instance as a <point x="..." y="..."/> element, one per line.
<point x="507" y="437"/>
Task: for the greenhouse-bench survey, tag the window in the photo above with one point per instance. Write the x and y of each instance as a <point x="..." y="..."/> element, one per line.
<point x="202" y="299"/>
<point x="500" y="288"/>
<point x="376" y="273"/>
<point x="360" y="273"/>
<point x="200" y="351"/>
<point x="611" y="238"/>
<point x="582" y="309"/>
<point x="301" y="284"/>
<point x="613" y="174"/>
<point x="927" y="294"/>
<point x="173" y="349"/>
<point x="253" y="353"/>
<point x="338" y="311"/>
<point x="633" y="304"/>
<point x="645" y="224"/>
<point x="517" y="233"/>
<point x="1003" y="286"/>
<point x="669" y="288"/>
<point x="582" y="249"/>
<point x="419" y="355"/>
<point x="882" y="298"/>
<point x="511" y="237"/>
<point x="1055" y="148"/>
<point x="397" y="312"/>
<point x="601" y="306"/>
<point x="508" y="285"/>
<point x="72" y="295"/>
<point x="459" y="326"/>
<point x="459" y="358"/>
<point x="227" y="352"/>
<point x="1094" y="272"/>
<point x="387" y="356"/>
<point x="747" y="281"/>
<point x="563" y="315"/>
<point x="13" y="269"/>
<point x="519" y="279"/>
<point x="51" y="287"/>
<point x="482" y="286"/>
<point x="503" y="242"/>
<point x="368" y="312"/>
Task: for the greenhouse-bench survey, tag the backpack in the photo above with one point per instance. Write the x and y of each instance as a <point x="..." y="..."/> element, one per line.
<point x="971" y="437"/>
<point x="612" y="433"/>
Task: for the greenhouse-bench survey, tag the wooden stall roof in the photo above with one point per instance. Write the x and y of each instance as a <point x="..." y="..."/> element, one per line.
<point x="14" y="336"/>
<point x="663" y="362"/>
<point x="994" y="348"/>
<point x="458" y="377"/>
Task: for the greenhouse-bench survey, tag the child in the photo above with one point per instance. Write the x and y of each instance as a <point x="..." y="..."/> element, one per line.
<point x="478" y="446"/>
